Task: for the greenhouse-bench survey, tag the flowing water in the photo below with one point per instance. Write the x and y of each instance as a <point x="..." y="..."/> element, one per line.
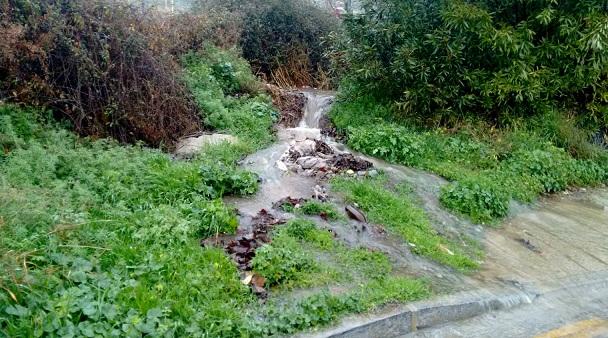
<point x="559" y="243"/>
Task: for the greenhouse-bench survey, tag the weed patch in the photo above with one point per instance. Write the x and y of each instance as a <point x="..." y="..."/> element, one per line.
<point x="397" y="212"/>
<point x="487" y="171"/>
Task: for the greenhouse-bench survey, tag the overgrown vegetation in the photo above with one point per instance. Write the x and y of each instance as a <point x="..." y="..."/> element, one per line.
<point x="443" y="60"/>
<point x="515" y="92"/>
<point x="102" y="239"/>
<point x="230" y="95"/>
<point x="97" y="65"/>
<point x="488" y="168"/>
<point x="282" y="39"/>
<point x="396" y="211"/>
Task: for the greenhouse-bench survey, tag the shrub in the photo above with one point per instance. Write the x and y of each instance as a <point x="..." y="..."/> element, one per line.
<point x="224" y="180"/>
<point x="283" y="40"/>
<point x="481" y="199"/>
<point x="450" y="59"/>
<point x="230" y="95"/>
<point x="92" y="63"/>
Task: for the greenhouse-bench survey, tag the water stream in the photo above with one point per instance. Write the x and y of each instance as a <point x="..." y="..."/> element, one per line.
<point x="277" y="184"/>
<point x="510" y="249"/>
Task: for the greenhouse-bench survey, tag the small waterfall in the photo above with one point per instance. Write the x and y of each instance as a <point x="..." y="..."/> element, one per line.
<point x="317" y="105"/>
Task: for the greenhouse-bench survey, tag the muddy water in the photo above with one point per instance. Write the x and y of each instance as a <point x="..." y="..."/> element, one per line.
<point x="560" y="236"/>
<point x="277" y="184"/>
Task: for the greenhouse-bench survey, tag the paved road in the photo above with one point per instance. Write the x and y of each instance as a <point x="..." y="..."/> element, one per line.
<point x="558" y="250"/>
<point x="578" y="310"/>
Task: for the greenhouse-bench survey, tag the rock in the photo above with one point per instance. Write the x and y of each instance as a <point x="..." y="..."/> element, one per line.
<point x="301" y="134"/>
<point x="191" y="146"/>
<point x="282" y="166"/>
<point x="350" y="172"/>
<point x="309" y="162"/>
<point x="373" y="173"/>
<point x="319" y="193"/>
<point x="361" y="173"/>
<point x="355" y="214"/>
<point x="305" y="148"/>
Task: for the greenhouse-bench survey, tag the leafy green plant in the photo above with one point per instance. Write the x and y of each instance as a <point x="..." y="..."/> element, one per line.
<point x="307" y="231"/>
<point x="281" y="261"/>
<point x="225" y="180"/>
<point x="442" y="60"/>
<point x="519" y="162"/>
<point x="230" y="96"/>
<point x="482" y="200"/>
<point x="316" y="208"/>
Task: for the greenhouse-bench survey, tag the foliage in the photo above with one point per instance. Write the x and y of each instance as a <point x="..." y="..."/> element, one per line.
<point x="107" y="234"/>
<point x="316" y="208"/>
<point x="283" y="39"/>
<point x="230" y="95"/>
<point x="95" y="65"/>
<point x="398" y="213"/>
<point x="323" y="308"/>
<point x="282" y="260"/>
<point x="99" y="239"/>
<point x="443" y="60"/>
<point x="308" y="232"/>
<point x="227" y="180"/>
<point x="487" y="169"/>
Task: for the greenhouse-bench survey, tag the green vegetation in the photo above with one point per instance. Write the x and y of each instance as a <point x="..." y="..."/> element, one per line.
<point x="445" y="60"/>
<point x="520" y="88"/>
<point x="487" y="169"/>
<point x="284" y="39"/>
<point x="396" y="211"/>
<point x="102" y="239"/>
<point x="323" y="209"/>
<point x="231" y="97"/>
<point x="303" y="255"/>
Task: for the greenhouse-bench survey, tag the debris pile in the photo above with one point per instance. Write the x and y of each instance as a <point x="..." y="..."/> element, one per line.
<point x="311" y="157"/>
<point x="243" y="245"/>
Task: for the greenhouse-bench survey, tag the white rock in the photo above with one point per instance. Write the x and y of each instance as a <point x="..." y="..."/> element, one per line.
<point x="309" y="162"/>
<point x="191" y="146"/>
<point x="306" y="147"/>
<point x="282" y="166"/>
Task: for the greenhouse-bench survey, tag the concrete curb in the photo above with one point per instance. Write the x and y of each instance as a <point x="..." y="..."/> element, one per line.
<point x="425" y="314"/>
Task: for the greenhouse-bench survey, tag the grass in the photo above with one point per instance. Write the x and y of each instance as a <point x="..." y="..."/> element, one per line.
<point x="488" y="167"/>
<point x="230" y="97"/>
<point x="396" y="211"/>
<point x="324" y="209"/>
<point x="98" y="238"/>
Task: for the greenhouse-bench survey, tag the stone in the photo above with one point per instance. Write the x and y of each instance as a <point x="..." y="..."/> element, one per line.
<point x="282" y="166"/>
<point x="309" y="162"/>
<point x="373" y="173"/>
<point x="355" y="214"/>
<point x="191" y="146"/>
<point x="305" y="148"/>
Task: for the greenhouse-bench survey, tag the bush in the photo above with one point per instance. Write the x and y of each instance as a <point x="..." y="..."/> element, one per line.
<point x="283" y="40"/>
<point x="482" y="200"/>
<point x="230" y="95"/>
<point x="224" y="180"/>
<point x="92" y="63"/>
<point x="449" y="59"/>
